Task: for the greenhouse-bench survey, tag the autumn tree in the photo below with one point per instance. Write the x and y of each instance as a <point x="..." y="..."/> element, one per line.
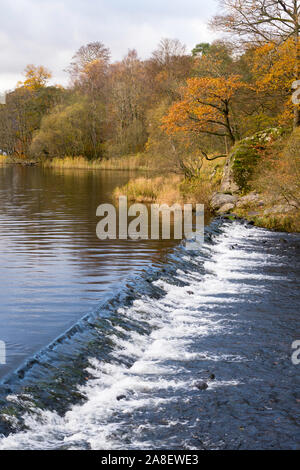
<point x="127" y="105"/>
<point x="21" y="117"/>
<point x="264" y="21"/>
<point x="273" y="69"/>
<point x="36" y="77"/>
<point x="25" y="107"/>
<point x="168" y="67"/>
<point x="207" y="107"/>
<point x="94" y="52"/>
<point x="67" y="131"/>
<point x="89" y="71"/>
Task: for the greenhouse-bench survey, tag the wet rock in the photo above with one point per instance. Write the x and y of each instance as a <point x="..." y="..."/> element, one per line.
<point x="121" y="397"/>
<point x="212" y="377"/>
<point x="201" y="386"/>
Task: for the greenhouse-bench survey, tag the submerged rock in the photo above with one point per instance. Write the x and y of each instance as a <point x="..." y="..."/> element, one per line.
<point x="201" y="386"/>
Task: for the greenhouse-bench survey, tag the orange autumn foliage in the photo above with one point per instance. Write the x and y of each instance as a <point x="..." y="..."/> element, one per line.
<point x="274" y="71"/>
<point x="206" y="107"/>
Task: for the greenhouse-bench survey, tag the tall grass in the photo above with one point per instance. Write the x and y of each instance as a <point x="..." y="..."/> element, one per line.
<point x="158" y="189"/>
<point x="130" y="162"/>
<point x="168" y="190"/>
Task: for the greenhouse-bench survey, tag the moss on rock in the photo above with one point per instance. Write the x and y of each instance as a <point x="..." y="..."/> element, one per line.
<point x="247" y="153"/>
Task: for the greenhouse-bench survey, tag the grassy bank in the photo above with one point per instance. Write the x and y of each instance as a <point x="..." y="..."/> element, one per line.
<point x="175" y="188"/>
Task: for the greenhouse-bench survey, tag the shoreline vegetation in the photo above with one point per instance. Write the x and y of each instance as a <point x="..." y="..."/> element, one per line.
<point x="218" y="125"/>
<point x="136" y="162"/>
<point x="265" y="199"/>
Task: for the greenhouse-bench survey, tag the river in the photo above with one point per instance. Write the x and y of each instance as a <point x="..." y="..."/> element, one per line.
<point x="146" y="323"/>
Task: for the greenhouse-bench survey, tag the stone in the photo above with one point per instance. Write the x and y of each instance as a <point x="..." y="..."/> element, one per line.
<point x="220" y="199"/>
<point x="228" y="185"/>
<point x="202" y="386"/>
<point x="121" y="397"/>
<point x="226" y="208"/>
<point x="248" y="200"/>
<point x="279" y="209"/>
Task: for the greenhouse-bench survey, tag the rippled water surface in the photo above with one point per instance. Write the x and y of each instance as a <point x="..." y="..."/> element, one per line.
<point x="130" y="374"/>
<point x="53" y="269"/>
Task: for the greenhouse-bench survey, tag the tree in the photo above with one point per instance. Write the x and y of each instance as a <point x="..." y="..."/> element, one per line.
<point x="127" y="105"/>
<point x="201" y="49"/>
<point x="264" y="21"/>
<point x="273" y="68"/>
<point x="217" y="61"/>
<point x="68" y="131"/>
<point x="36" y="77"/>
<point x="21" y="117"/>
<point x="89" y="73"/>
<point x="206" y="108"/>
<point x="91" y="53"/>
<point x="168" y="68"/>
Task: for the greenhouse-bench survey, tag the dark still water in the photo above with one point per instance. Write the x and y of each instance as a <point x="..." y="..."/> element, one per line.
<point x="53" y="268"/>
<point x="182" y="350"/>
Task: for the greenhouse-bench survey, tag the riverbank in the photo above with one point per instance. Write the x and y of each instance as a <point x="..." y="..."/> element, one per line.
<point x="175" y="188"/>
<point x="138" y="162"/>
<point x="259" y="181"/>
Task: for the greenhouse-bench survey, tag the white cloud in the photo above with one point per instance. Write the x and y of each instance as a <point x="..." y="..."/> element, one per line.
<point x="48" y="32"/>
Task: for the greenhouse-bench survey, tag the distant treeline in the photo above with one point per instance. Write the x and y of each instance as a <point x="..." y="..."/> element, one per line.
<point x="175" y="105"/>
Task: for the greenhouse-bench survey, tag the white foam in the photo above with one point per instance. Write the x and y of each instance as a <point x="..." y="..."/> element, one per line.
<point x="178" y="322"/>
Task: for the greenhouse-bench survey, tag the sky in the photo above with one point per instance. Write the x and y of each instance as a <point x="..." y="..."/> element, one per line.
<point x="49" y="32"/>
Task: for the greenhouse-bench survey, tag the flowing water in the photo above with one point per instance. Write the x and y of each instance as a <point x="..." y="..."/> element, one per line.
<point x="162" y="320"/>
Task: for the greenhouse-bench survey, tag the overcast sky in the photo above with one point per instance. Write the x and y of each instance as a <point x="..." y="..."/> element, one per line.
<point x="48" y="32"/>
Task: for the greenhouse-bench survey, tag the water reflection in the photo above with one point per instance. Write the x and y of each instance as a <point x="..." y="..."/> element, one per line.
<point x="53" y="268"/>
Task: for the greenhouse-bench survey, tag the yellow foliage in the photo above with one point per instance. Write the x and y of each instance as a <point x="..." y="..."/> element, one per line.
<point x="274" y="68"/>
<point x="35" y="77"/>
